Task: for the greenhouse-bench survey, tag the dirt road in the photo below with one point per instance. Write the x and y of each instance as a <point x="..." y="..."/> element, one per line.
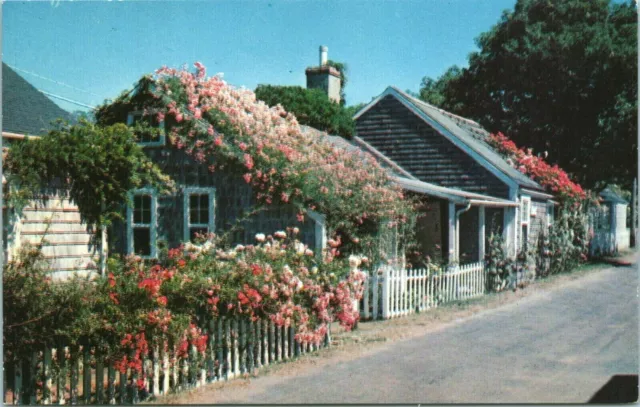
<point x="551" y="344"/>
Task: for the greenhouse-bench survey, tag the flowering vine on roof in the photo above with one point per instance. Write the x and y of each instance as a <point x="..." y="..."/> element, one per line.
<point x="227" y="128"/>
<point x="554" y="178"/>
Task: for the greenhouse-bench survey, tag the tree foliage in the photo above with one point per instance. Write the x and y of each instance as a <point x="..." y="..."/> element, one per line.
<point x="96" y="166"/>
<point x="557" y="76"/>
<point x="310" y="106"/>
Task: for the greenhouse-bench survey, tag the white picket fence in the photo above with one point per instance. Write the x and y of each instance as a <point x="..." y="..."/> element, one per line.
<point x="79" y="375"/>
<point x="392" y="292"/>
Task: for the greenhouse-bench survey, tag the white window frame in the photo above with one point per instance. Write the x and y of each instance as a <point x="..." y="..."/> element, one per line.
<point x="153" y="226"/>
<point x="187" y="192"/>
<point x="161" y="140"/>
<point x="550" y="213"/>
<point x="525" y="216"/>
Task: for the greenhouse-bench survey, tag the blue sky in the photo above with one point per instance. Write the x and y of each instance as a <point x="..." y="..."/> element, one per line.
<point x="102" y="47"/>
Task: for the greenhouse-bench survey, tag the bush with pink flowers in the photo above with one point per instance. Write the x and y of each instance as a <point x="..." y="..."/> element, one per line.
<point x="144" y="305"/>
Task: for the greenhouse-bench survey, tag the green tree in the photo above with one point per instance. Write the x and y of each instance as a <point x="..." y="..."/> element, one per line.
<point x="97" y="166"/>
<point x="558" y="76"/>
<point x="434" y="91"/>
<point x="311" y="107"/>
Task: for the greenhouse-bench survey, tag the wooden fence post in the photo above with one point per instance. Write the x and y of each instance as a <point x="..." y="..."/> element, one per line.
<point x="385" y="294"/>
<point x="375" y="299"/>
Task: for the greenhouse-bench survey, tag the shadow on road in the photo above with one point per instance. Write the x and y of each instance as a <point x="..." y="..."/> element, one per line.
<point x="619" y="389"/>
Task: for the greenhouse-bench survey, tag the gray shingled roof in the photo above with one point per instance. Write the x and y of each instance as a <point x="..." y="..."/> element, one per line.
<point x="359" y="147"/>
<point x="473" y="136"/>
<point x="399" y="175"/>
<point x="26" y="110"/>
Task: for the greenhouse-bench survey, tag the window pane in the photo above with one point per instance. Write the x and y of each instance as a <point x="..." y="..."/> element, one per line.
<point x="195" y="231"/>
<point x="146" y="216"/>
<point x="142" y="209"/>
<point x="199" y="208"/>
<point x="142" y="241"/>
<point x="193" y="209"/>
<point x="137" y="204"/>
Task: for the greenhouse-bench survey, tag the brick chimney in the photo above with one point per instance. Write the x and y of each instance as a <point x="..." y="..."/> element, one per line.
<point x="324" y="77"/>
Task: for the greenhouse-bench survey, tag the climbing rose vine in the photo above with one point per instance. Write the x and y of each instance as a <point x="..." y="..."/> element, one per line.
<point x="224" y="127"/>
<point x="553" y="178"/>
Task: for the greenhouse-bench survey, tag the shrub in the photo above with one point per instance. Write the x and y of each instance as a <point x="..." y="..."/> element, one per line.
<point x="142" y="305"/>
<point x="38" y="311"/>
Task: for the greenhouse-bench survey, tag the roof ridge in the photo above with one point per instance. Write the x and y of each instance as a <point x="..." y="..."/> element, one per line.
<point x="441" y="110"/>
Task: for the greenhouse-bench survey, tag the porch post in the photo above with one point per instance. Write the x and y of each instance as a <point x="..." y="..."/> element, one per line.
<point x="453" y="241"/>
<point x="481" y="233"/>
<point x="509" y="230"/>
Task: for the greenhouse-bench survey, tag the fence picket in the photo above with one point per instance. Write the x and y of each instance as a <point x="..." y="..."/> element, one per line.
<point x="365" y="298"/>
<point x="75" y="361"/>
<point x="122" y="384"/>
<point x="227" y="346"/>
<point x="236" y="349"/>
<point x="99" y="377"/>
<point x="111" y="382"/>
<point x="292" y="341"/>
<point x="285" y="343"/>
<point x="46" y="375"/>
<point x="258" y="339"/>
<point x="86" y="375"/>
<point x="243" y="347"/>
<point x="211" y="351"/>
<point x="250" y="345"/>
<point x="17" y="383"/>
<point x="265" y="343"/>
<point x="374" y="295"/>
<point x="272" y="343"/>
<point x="166" y="375"/>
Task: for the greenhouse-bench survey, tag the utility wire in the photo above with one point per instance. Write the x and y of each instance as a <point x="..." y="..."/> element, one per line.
<point x="51" y="80"/>
<point x="67" y="99"/>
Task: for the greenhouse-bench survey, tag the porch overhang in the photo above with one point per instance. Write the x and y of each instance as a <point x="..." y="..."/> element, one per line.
<point x="536" y="194"/>
<point x="452" y="195"/>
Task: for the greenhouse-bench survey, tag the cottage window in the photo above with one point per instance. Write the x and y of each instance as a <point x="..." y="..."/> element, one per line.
<point x="550" y="215"/>
<point x="147" y="138"/>
<point x="525" y="210"/>
<point x="199" y="212"/>
<point x="141" y="223"/>
<point x="524" y="213"/>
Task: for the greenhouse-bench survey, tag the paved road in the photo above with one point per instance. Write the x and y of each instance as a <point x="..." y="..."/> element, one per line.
<point x="556" y="346"/>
